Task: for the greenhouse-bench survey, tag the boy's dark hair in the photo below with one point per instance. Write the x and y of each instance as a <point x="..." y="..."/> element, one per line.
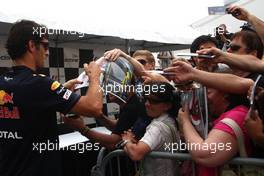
<point x="20" y="34"/>
<point x="201" y="40"/>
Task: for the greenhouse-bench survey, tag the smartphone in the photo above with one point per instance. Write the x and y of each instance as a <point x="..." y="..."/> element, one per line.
<point x="235" y="13"/>
<point x="253" y="93"/>
<point x="205" y="56"/>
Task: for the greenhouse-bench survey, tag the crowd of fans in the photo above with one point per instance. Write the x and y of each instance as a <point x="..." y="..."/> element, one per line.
<point x="235" y="125"/>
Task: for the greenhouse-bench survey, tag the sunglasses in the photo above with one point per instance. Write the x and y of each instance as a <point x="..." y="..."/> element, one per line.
<point x="234" y="47"/>
<point x="143" y="62"/>
<point x="45" y="45"/>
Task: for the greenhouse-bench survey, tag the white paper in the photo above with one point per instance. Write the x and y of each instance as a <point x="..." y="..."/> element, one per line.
<point x="76" y="137"/>
<point x="84" y="78"/>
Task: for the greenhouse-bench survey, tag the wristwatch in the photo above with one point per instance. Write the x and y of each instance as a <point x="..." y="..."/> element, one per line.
<point x="121" y="144"/>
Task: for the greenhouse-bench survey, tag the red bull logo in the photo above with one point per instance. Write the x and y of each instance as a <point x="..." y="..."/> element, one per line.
<point x="5" y="98"/>
<point x="5" y="110"/>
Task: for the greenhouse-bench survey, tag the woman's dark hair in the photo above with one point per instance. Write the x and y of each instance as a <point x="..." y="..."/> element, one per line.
<point x="165" y="92"/>
<point x="20" y="34"/>
<point x="201" y="40"/>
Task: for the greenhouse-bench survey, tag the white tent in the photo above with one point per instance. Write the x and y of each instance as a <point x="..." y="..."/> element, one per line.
<point x="152" y="42"/>
<point x="118" y="23"/>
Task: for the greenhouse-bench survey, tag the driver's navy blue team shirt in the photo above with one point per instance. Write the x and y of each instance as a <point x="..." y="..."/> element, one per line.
<point x="28" y="106"/>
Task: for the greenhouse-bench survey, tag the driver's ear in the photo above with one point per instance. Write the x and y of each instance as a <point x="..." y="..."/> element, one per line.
<point x="31" y="46"/>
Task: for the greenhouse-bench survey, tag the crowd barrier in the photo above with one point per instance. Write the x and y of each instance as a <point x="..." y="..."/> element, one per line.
<point x="103" y="161"/>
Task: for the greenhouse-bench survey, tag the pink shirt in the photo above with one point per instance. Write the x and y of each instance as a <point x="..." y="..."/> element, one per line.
<point x="238" y="114"/>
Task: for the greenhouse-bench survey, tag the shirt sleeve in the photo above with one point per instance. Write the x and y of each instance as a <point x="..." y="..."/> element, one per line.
<point x="153" y="137"/>
<point x="44" y="93"/>
<point x="236" y="115"/>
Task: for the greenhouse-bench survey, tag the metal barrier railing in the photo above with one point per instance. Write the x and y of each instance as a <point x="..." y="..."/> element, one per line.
<point x="101" y="165"/>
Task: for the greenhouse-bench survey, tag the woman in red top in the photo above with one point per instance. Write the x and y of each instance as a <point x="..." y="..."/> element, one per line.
<point x="221" y="144"/>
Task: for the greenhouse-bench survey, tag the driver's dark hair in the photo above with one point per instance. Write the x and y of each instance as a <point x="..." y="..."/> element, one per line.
<point x="20" y="34"/>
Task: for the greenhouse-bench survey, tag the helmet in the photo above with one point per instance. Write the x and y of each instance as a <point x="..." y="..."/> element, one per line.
<point x="116" y="77"/>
